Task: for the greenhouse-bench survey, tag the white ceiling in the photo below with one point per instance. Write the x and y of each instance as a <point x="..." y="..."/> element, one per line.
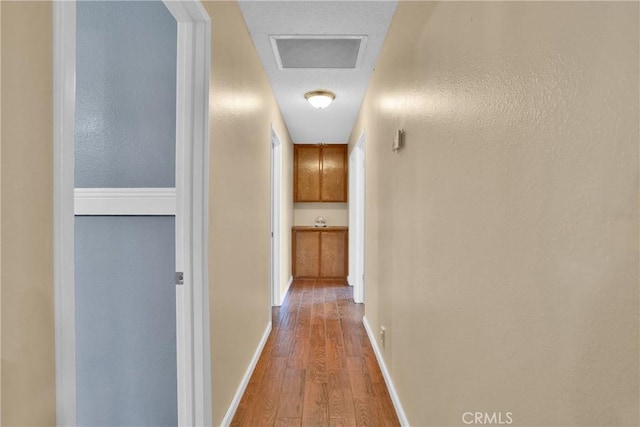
<point x="343" y="18"/>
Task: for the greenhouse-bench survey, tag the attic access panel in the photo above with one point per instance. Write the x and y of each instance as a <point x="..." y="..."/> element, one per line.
<point x="318" y="52"/>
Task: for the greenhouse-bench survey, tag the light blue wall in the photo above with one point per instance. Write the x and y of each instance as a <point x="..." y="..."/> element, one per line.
<point x="125" y="265"/>
<point x="125" y="321"/>
<point x="125" y="94"/>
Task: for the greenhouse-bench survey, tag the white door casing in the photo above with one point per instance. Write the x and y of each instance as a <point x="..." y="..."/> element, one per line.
<point x="352" y="218"/>
<point x="357" y="219"/>
<point x="276" y="208"/>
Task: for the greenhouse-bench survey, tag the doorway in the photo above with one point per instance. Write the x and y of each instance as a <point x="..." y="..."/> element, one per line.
<point x="357" y="219"/>
<point x="131" y="227"/>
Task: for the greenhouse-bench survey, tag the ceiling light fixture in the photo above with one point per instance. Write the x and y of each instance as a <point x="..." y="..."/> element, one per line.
<point x="320" y="98"/>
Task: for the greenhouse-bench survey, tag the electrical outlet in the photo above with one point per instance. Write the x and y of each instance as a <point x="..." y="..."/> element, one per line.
<point x="383" y="333"/>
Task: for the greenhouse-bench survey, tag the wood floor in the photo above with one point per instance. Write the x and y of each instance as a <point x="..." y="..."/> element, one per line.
<point x="317" y="367"/>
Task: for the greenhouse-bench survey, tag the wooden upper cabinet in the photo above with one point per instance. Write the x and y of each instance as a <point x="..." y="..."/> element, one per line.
<point x="320" y="173"/>
<point x="306" y="170"/>
<point x="333" y="182"/>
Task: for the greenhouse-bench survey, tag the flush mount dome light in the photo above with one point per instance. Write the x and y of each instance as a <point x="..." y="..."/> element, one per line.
<point x="320" y="98"/>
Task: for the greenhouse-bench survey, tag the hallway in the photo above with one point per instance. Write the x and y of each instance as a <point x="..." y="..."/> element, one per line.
<point x="318" y="367"/>
<point x="500" y="143"/>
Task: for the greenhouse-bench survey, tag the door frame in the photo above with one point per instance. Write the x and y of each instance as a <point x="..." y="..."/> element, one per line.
<point x="357" y="218"/>
<point x="191" y="204"/>
<point x="276" y="217"/>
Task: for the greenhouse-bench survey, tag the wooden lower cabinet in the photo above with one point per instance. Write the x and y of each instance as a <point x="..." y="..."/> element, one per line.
<point x="306" y="253"/>
<point x="320" y="253"/>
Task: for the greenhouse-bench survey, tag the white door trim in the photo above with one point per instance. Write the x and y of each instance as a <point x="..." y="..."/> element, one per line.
<point x="357" y="218"/>
<point x="352" y="218"/>
<point x="361" y="216"/>
<point x="192" y="128"/>
<point x="64" y="73"/>
<point x="276" y="209"/>
<point x="192" y="139"/>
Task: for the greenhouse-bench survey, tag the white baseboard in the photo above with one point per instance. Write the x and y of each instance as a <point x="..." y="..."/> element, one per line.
<point x="385" y="373"/>
<point x="283" y="295"/>
<point x="228" y="417"/>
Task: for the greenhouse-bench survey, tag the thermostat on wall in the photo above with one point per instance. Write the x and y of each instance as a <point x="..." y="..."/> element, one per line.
<point x="398" y="141"/>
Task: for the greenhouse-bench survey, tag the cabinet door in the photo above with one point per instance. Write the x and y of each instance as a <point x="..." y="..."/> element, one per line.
<point x="334" y="173"/>
<point x="334" y="247"/>
<point x="306" y="253"/>
<point x="306" y="173"/>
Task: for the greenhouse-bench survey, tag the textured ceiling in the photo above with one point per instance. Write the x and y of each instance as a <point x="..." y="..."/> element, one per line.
<point x="306" y="124"/>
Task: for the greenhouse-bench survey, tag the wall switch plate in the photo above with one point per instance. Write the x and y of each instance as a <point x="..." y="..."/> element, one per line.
<point x="398" y="141"/>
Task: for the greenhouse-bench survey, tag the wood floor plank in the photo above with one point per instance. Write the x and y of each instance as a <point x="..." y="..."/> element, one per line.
<point x="336" y="355"/>
<point x="364" y="415"/>
<point x="372" y="364"/>
<point x="292" y="394"/>
<point x="287" y="319"/>
<point x="386" y="412"/>
<point x="362" y="389"/>
<point x="263" y="363"/>
<point x="330" y="306"/>
<point x="284" y="341"/>
<point x="359" y="376"/>
<point x="317" y="367"/>
<point x="266" y="402"/>
<point x="343" y="306"/>
<point x="316" y="404"/>
<point x="299" y="354"/>
<point x="341" y="398"/>
<point x="244" y="412"/>
<point x="290" y="307"/>
<point x="288" y="422"/>
<point x="317" y="307"/>
<point x="317" y="362"/>
<point x="293" y="298"/>
<point x="303" y="317"/>
<point x="352" y="338"/>
<point x="245" y="407"/>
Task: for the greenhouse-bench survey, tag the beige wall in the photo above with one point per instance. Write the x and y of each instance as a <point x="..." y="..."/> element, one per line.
<point x="334" y="213"/>
<point x="27" y="312"/>
<point x="502" y="243"/>
<point x="242" y="108"/>
<point x="0" y="213"/>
